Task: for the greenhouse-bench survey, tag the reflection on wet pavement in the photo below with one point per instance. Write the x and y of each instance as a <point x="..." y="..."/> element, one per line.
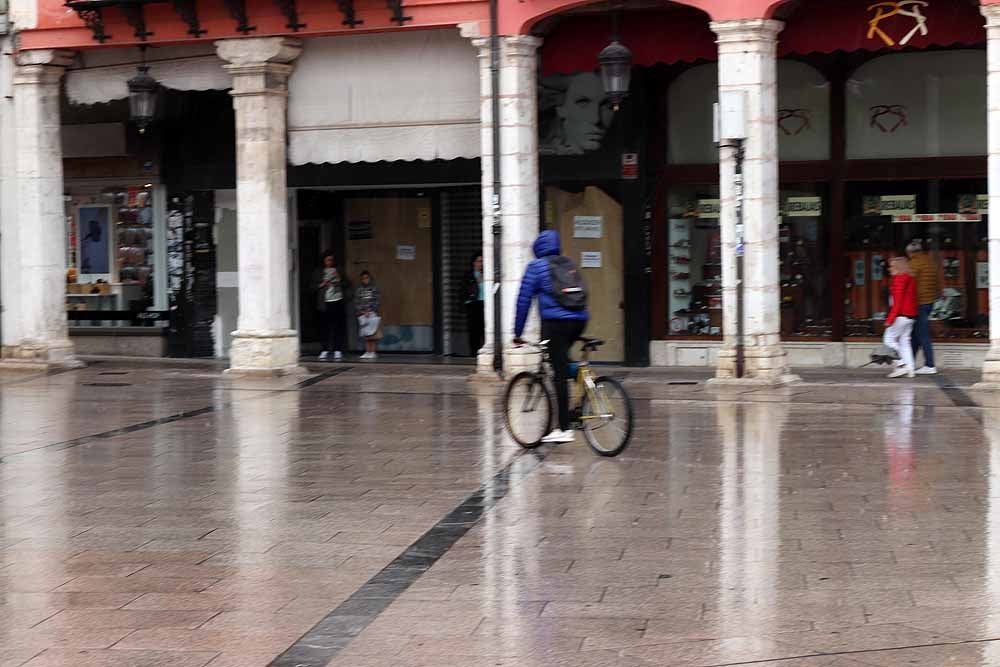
<point x="158" y="515"/>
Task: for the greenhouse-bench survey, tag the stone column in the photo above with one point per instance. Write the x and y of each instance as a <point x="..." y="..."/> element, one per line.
<point x="264" y="341"/>
<point x="991" y="366"/>
<point x="519" y="187"/>
<point x="747" y="63"/>
<point x="34" y="228"/>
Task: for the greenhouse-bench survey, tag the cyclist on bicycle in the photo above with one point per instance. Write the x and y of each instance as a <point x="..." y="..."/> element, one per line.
<point x="563" y="320"/>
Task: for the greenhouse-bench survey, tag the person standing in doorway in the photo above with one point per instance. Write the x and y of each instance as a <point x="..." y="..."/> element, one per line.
<point x="902" y="315"/>
<point x="925" y="272"/>
<point x="564" y="316"/>
<point x="474" y="305"/>
<point x="331" y="300"/>
<point x="367" y="307"/>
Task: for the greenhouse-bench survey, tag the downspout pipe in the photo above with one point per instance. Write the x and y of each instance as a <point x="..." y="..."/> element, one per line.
<point x="496" y="202"/>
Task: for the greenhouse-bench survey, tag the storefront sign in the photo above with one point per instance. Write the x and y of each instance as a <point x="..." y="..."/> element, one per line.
<point x="359" y="230"/>
<point x="587" y="226"/>
<point x="708" y="209"/>
<point x="897" y="205"/>
<point x="802" y="207"/>
<point x="406" y="253"/>
<point x="938" y="217"/>
<point x="630" y="166"/>
<point x="590" y="260"/>
<point x="974" y="204"/>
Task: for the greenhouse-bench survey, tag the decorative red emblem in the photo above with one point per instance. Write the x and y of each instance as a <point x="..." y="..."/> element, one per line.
<point x="794" y="121"/>
<point x="888" y="117"/>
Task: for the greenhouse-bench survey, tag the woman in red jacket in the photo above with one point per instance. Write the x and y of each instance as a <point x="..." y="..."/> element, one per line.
<point x="899" y="323"/>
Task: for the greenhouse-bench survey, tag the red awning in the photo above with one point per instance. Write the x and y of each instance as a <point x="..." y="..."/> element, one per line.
<point x="822" y="26"/>
<point x="675" y="34"/>
<point x="681" y="34"/>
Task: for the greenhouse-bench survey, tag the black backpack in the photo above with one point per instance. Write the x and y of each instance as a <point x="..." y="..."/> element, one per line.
<point x="568" y="288"/>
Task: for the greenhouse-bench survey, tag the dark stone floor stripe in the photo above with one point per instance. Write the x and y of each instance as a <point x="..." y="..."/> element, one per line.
<point x="141" y="426"/>
<point x="338" y="629"/>
<point x="958" y="396"/>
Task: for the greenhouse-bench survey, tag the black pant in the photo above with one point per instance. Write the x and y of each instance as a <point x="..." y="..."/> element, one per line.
<point x="333" y="318"/>
<point x="561" y="335"/>
<point x="476" y="316"/>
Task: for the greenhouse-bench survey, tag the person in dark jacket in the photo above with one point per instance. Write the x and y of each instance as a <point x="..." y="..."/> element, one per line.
<point x="561" y="327"/>
<point x="472" y="297"/>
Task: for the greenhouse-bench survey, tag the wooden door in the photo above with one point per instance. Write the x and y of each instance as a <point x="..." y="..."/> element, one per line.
<point x="590" y="226"/>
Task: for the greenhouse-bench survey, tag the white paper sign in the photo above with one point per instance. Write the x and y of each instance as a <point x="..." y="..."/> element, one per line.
<point x="804" y="207"/>
<point x="406" y="253"/>
<point x="587" y="226"/>
<point x="982" y="275"/>
<point x="708" y="208"/>
<point x="590" y="260"/>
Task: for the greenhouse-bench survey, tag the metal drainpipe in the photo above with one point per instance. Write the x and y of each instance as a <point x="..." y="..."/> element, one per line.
<point x="497" y="220"/>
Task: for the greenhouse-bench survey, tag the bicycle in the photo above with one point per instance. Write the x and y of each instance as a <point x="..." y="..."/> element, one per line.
<point x="604" y="412"/>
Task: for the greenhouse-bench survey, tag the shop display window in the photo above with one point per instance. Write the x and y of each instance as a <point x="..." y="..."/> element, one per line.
<point x="804" y="266"/>
<point x="694" y="263"/>
<point x="949" y="217"/>
<point x="111" y="251"/>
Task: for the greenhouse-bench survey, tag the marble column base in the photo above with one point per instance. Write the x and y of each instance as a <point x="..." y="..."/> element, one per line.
<point x="515" y="360"/>
<point x="40" y="356"/>
<point x="265" y="353"/>
<point x="991" y="371"/>
<point x="762" y="366"/>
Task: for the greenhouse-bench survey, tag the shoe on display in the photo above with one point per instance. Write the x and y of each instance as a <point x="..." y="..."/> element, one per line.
<point x="323" y="355"/>
<point x="338" y="356"/>
<point x="927" y="370"/>
<point x="902" y="372"/>
<point x="559" y="436"/>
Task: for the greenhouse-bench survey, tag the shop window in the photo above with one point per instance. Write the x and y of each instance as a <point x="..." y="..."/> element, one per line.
<point x="694" y="262"/>
<point x="803" y="114"/>
<point x="111" y="255"/>
<point x="918" y="105"/>
<point x="949" y="218"/>
<point x="804" y="265"/>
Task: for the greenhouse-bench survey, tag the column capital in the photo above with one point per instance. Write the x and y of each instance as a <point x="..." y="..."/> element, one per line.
<point x="39" y="66"/>
<point x="992" y="15"/>
<point x="257" y="51"/>
<point x="511" y="46"/>
<point x="746" y="30"/>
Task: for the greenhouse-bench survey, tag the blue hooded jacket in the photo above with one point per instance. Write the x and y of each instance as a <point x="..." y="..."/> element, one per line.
<point x="537" y="281"/>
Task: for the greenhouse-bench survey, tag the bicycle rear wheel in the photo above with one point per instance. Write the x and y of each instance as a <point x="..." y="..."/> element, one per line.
<point x="607" y="426"/>
<point x="527" y="409"/>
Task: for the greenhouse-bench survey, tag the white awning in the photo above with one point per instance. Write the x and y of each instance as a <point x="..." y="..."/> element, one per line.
<point x="389" y="96"/>
<point x="103" y="75"/>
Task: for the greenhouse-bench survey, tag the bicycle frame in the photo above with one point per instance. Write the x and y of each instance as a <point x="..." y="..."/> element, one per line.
<point x="585" y="382"/>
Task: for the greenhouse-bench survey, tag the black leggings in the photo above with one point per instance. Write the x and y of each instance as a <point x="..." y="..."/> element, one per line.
<point x="333" y="318"/>
<point x="477" y="326"/>
<point x="561" y="335"/>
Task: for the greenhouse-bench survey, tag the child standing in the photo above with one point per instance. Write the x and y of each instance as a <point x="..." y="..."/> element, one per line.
<point x="899" y="323"/>
<point x="366" y="305"/>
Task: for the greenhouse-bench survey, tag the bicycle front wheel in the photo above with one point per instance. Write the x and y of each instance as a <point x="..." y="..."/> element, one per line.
<point x="607" y="417"/>
<point x="528" y="409"/>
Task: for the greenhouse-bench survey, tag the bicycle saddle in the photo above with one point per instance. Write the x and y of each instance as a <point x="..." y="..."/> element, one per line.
<point x="591" y="343"/>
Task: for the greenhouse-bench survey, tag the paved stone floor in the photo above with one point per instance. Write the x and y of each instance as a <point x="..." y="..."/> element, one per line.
<point x="373" y="516"/>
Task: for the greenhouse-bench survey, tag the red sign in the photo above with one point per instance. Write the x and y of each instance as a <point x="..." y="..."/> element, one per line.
<point x="630" y="166"/>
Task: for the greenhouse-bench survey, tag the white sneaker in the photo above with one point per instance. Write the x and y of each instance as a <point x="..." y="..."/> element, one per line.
<point x="901" y="372"/>
<point x="323" y="355"/>
<point x="559" y="436"/>
<point x="338" y="356"/>
<point x="927" y="370"/>
<point x="373" y="356"/>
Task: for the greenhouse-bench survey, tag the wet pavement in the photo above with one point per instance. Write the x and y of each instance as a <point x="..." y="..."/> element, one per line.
<point x="167" y="515"/>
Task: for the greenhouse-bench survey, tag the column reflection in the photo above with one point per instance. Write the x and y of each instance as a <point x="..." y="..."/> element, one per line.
<point x="991" y="622"/>
<point x="749" y="517"/>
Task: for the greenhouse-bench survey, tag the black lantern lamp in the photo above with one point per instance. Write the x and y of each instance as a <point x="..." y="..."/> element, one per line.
<point x="142" y="92"/>
<point x="616" y="69"/>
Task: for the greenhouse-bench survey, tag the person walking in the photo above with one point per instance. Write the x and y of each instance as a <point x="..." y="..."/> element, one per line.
<point x="367" y="309"/>
<point x="331" y="300"/>
<point x="564" y="316"/>
<point x="902" y="315"/>
<point x="473" y="296"/>
<point x="925" y="272"/>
